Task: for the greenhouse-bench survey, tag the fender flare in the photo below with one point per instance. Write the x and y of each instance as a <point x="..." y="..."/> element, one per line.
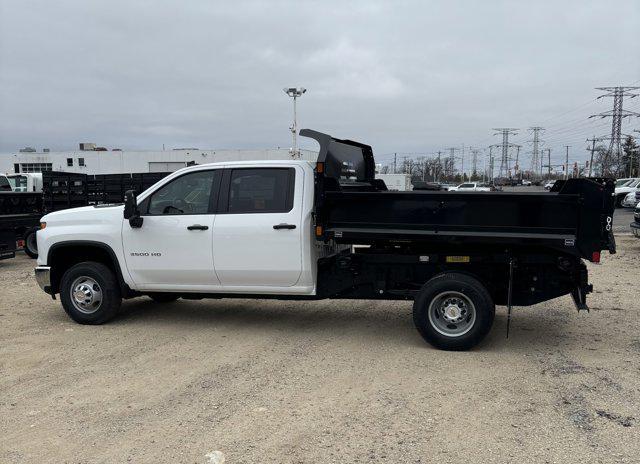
<point x="126" y="290"/>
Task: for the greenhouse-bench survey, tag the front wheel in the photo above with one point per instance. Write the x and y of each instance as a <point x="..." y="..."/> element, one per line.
<point x="90" y="293"/>
<point x="453" y="311"/>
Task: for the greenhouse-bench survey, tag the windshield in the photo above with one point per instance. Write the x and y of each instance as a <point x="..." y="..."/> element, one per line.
<point x="4" y="184"/>
<point x="633" y="183"/>
<point x="18" y="182"/>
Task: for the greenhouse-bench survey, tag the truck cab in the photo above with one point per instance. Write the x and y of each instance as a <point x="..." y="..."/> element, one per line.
<point x="210" y="228"/>
<point x="26" y="182"/>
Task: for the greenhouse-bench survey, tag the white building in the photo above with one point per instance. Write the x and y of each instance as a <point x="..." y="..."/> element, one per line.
<point x="115" y="162"/>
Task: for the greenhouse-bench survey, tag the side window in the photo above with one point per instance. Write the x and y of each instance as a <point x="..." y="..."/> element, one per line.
<point x="264" y="190"/>
<point x="188" y="194"/>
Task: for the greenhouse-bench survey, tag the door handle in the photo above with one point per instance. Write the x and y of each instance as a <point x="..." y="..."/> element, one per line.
<point x="284" y="226"/>
<point x="197" y="227"/>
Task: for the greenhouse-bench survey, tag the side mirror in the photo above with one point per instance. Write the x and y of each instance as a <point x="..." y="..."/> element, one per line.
<point x="131" y="211"/>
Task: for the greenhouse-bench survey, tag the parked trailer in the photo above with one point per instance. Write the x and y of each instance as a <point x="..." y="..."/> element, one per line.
<point x="21" y="211"/>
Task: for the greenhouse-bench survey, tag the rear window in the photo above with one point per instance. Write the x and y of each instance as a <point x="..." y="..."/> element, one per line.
<point x="266" y="190"/>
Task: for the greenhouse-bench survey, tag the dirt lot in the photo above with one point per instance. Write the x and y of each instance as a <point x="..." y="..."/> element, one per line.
<point x="244" y="381"/>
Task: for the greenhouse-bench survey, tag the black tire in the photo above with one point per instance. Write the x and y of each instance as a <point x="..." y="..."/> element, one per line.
<point x="30" y="244"/>
<point x="472" y="329"/>
<point x="107" y="291"/>
<point x="163" y="297"/>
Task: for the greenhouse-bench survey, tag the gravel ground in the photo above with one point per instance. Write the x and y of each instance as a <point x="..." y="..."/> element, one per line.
<point x="242" y="381"/>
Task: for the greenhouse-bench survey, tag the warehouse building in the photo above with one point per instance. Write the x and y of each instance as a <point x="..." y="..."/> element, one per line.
<point x="99" y="161"/>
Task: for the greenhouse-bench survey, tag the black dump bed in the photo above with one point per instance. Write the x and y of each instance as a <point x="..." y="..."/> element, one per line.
<point x="351" y="206"/>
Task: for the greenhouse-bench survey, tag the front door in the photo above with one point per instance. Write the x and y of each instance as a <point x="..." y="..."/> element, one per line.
<point x="173" y="250"/>
<point x="257" y="234"/>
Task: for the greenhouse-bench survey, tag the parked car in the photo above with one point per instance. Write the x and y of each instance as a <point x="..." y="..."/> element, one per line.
<point x="286" y="229"/>
<point x="526" y="182"/>
<point x="631" y="199"/>
<point x="621" y="192"/>
<point x="549" y="185"/>
<point x="635" y="225"/>
<point x="471" y="187"/>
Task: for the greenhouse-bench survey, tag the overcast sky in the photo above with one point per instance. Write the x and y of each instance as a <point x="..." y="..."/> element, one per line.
<point x="401" y="76"/>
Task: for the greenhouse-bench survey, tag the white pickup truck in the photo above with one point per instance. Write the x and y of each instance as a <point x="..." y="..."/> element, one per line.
<point x="287" y="229"/>
<point x="470" y="187"/>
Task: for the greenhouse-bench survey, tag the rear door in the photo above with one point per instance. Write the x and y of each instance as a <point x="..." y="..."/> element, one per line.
<point x="257" y="232"/>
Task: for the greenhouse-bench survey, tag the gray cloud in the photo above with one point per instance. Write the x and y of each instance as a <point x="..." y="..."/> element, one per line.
<point x="403" y="76"/>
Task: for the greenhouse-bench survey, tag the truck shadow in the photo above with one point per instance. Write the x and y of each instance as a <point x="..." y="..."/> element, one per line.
<point x="376" y="320"/>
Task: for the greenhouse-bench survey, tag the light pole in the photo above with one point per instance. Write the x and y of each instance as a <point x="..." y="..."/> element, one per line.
<point x="295" y="92"/>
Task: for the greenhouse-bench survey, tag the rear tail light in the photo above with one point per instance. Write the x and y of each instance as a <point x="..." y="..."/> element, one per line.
<point x="595" y="257"/>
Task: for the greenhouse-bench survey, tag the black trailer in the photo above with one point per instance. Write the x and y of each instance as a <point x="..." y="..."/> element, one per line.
<point x="504" y="248"/>
<point x="20" y="212"/>
<point x="7" y="243"/>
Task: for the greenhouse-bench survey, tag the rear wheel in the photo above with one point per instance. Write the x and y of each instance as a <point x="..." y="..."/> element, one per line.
<point x="31" y="244"/>
<point x="453" y="311"/>
<point x="89" y="293"/>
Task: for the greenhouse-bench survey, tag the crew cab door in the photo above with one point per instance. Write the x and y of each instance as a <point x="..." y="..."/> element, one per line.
<point x="173" y="250"/>
<point x="257" y="239"/>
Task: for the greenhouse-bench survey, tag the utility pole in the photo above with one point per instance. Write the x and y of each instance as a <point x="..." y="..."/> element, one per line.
<point x="617" y="114"/>
<point x="549" y="165"/>
<point x="295" y="92"/>
<point x="566" y="163"/>
<point x="592" y="149"/>
<point x="516" y="170"/>
<point x="504" y="162"/>
<point x="491" y="163"/>
<point x="395" y="162"/>
<point x="535" y="161"/>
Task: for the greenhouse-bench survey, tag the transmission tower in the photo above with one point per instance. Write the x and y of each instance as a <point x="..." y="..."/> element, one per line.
<point x="474" y="160"/>
<point x="536" y="158"/>
<point x="450" y="166"/>
<point x="617" y="114"/>
<point x="504" y="162"/>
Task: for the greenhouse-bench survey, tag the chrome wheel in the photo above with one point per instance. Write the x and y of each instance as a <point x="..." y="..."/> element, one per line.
<point x="86" y="295"/>
<point x="452" y="314"/>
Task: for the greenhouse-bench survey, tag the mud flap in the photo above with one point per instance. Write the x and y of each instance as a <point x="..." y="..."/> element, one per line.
<point x="579" y="295"/>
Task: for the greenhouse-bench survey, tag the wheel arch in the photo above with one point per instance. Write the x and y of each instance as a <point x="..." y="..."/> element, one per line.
<point x="62" y="255"/>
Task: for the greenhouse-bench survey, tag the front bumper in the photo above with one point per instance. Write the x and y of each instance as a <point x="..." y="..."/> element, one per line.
<point x="43" y="277"/>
